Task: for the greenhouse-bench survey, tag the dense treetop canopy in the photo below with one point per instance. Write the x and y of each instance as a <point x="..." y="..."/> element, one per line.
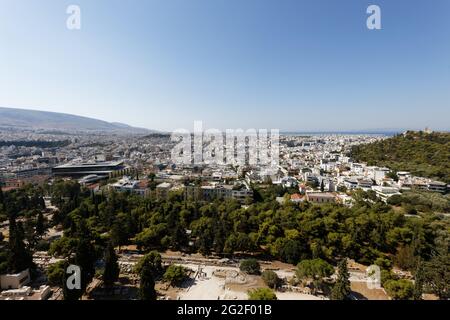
<point x="423" y="154"/>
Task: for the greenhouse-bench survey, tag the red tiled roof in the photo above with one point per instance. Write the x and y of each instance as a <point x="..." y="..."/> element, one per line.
<point x="296" y="196"/>
<point x="4" y="189"/>
<point x="93" y="186"/>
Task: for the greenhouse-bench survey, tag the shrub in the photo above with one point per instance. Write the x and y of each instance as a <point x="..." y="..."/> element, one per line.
<point x="261" y="294"/>
<point x="175" y="274"/>
<point x="55" y="273"/>
<point x="271" y="279"/>
<point x="314" y="269"/>
<point x="399" y="289"/>
<point x="250" y="266"/>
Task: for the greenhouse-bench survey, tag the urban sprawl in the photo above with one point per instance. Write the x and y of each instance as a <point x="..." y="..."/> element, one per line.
<point x="318" y="167"/>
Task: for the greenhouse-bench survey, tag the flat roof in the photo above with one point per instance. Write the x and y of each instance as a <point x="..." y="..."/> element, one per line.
<point x="319" y="194"/>
<point x="107" y="172"/>
<point x="91" y="165"/>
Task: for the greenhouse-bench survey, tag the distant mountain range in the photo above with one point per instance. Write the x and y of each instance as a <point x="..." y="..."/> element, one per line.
<point x="54" y="121"/>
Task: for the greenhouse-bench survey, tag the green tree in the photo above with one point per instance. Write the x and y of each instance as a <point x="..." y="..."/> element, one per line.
<point x="314" y="270"/>
<point x="424" y="155"/>
<point x="271" y="279"/>
<point x="29" y="232"/>
<point x="250" y="266"/>
<point x="153" y="261"/>
<point x="383" y="263"/>
<point x="119" y="234"/>
<point x="150" y="238"/>
<point x="64" y="246"/>
<point x="20" y="257"/>
<point x="261" y="294"/>
<point x="41" y="203"/>
<point x="40" y="224"/>
<point x="148" y="268"/>
<point x="55" y="273"/>
<point x="85" y="256"/>
<point x="405" y="258"/>
<point x="418" y="282"/>
<point x="437" y="275"/>
<point x="111" y="273"/>
<point x="219" y="238"/>
<point x="175" y="274"/>
<point x="400" y="289"/>
<point x="288" y="250"/>
<point x="147" y="284"/>
<point x="341" y="289"/>
<point x="203" y="230"/>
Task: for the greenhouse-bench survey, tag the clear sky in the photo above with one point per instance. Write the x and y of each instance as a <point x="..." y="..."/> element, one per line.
<point x="295" y="65"/>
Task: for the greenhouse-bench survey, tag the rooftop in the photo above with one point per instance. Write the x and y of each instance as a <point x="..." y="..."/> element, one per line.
<point x="91" y="164"/>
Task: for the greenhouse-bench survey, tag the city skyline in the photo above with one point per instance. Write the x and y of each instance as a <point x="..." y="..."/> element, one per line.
<point x="298" y="66"/>
<point x="214" y="157"/>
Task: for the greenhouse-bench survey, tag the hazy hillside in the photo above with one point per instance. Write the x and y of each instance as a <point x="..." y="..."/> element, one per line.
<point x="423" y="154"/>
<point x="32" y="119"/>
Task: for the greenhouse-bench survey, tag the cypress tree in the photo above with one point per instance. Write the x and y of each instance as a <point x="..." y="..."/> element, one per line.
<point x="41" y="203"/>
<point x="40" y="227"/>
<point x="85" y="260"/>
<point x="85" y="255"/>
<point x="341" y="289"/>
<point x="19" y="257"/>
<point x="111" y="273"/>
<point x="147" y="283"/>
<point x="419" y="281"/>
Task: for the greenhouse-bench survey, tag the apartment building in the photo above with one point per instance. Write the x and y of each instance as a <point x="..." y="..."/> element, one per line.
<point x="321" y="197"/>
<point x="219" y="191"/>
<point x="384" y="193"/>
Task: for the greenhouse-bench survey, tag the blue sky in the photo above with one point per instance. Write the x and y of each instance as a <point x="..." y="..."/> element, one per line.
<point x="295" y="65"/>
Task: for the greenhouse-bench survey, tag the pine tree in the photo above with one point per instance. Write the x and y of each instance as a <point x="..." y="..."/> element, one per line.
<point x="111" y="273"/>
<point x="341" y="289"/>
<point x="29" y="225"/>
<point x="437" y="274"/>
<point x="419" y="281"/>
<point x="147" y="283"/>
<point x="41" y="203"/>
<point x="219" y="238"/>
<point x="40" y="224"/>
<point x="119" y="235"/>
<point x="85" y="255"/>
<point x="19" y="257"/>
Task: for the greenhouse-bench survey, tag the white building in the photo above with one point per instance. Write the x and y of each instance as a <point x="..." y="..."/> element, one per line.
<point x="126" y="184"/>
<point x="379" y="174"/>
<point x="26" y="293"/>
<point x="15" y="281"/>
<point x="385" y="193"/>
